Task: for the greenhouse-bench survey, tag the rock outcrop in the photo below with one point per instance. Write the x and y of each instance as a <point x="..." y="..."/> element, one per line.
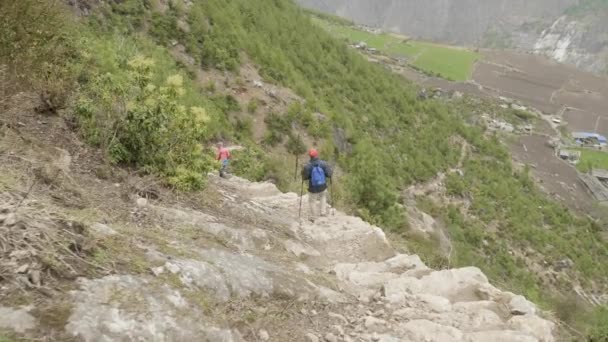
<point x="338" y="279"/>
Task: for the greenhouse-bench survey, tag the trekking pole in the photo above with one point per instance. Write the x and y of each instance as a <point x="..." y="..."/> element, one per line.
<point x="295" y="174"/>
<point x="331" y="196"/>
<point x="300" y="210"/>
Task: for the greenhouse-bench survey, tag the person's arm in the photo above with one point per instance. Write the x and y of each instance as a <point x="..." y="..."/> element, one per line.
<point x="306" y="172"/>
<point x="228" y="153"/>
<point x="327" y="169"/>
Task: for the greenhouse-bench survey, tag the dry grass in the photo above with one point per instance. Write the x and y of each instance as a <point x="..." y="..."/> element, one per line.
<point x="39" y="246"/>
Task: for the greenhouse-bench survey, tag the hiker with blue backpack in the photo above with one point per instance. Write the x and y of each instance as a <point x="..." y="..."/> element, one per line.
<point x="316" y="172"/>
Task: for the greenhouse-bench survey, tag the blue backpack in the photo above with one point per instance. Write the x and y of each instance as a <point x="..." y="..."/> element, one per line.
<point x="317" y="176"/>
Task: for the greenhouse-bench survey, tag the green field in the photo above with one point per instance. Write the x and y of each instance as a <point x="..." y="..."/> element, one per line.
<point x="444" y="61"/>
<point x="593" y="159"/>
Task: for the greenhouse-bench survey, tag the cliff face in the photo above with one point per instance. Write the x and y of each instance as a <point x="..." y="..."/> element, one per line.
<point x="549" y="27"/>
<point x="582" y="41"/>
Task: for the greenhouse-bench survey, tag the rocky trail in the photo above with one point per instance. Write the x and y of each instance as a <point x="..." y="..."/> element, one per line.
<point x="89" y="253"/>
<point x="268" y="278"/>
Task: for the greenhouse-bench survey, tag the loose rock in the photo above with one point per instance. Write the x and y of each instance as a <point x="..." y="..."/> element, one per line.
<point x="521" y="306"/>
<point x="329" y="337"/>
<point x="372" y="322"/>
<point x="264" y="335"/>
<point x="310" y="337"/>
<point x="103" y="230"/>
<point x="338" y="316"/>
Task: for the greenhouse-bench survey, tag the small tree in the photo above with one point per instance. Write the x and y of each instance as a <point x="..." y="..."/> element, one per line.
<point x="296" y="147"/>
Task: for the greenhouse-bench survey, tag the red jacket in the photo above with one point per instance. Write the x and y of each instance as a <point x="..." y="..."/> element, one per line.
<point x="223" y="154"/>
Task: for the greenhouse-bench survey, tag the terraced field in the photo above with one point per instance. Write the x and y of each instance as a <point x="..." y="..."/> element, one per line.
<point x="451" y="63"/>
<point x="553" y="88"/>
<point x="595" y="159"/>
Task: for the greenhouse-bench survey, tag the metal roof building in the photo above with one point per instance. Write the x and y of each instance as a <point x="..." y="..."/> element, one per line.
<point x="586" y="135"/>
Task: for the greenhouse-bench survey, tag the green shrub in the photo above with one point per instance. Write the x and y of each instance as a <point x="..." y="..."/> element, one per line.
<point x="273" y="138"/>
<point x="36" y="52"/>
<point x="455" y="185"/>
<point x="250" y="163"/>
<point x="244" y="129"/>
<point x="141" y="114"/>
<point x="252" y="106"/>
<point x="599" y="322"/>
<point x="186" y="179"/>
<point x="295" y="145"/>
<point x="227" y="103"/>
<point x="164" y="27"/>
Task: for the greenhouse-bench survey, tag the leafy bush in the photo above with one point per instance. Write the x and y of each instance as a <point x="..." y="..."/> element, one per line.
<point x="227" y="103"/>
<point x="252" y="106"/>
<point x="295" y="145"/>
<point x="250" y="163"/>
<point x="272" y="138"/>
<point x="164" y="27"/>
<point x="599" y="332"/>
<point x="142" y="117"/>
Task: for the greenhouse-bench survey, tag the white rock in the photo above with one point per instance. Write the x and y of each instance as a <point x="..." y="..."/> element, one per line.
<point x="310" y="337"/>
<point x="141" y="202"/>
<point x="18" y="320"/>
<point x="22" y="269"/>
<point x="424" y="330"/>
<point x="387" y="338"/>
<point x="373" y="322"/>
<point x="298" y="248"/>
<point x="158" y="270"/>
<point x="339" y="330"/>
<point x="456" y="284"/>
<point x="499" y="336"/>
<point x="331" y="296"/>
<point x="173" y="268"/>
<point x="338" y="317"/>
<point x="103" y="311"/>
<point x="533" y="325"/>
<point x="405" y="262"/>
<point x="370" y="279"/>
<point x="263" y="334"/>
<point x="303" y="268"/>
<point x="329" y="337"/>
<point x="435" y="303"/>
<point x="521" y="306"/>
<point x="103" y="230"/>
<point x="10" y="220"/>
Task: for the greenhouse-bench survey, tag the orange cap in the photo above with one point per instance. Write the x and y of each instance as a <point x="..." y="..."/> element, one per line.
<point x="313" y="153"/>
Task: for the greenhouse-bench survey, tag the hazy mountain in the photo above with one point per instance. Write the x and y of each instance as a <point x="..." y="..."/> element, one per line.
<point x="572" y="31"/>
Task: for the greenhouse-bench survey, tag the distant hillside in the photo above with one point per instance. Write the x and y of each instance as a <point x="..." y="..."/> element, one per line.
<point x="570" y="31"/>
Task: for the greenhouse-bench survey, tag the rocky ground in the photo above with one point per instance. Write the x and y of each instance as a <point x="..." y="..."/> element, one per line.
<point x="94" y="255"/>
<point x="335" y="280"/>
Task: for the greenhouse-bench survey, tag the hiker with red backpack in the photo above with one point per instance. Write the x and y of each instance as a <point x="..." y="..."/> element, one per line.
<point x="223" y="156"/>
<point x="316" y="172"/>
